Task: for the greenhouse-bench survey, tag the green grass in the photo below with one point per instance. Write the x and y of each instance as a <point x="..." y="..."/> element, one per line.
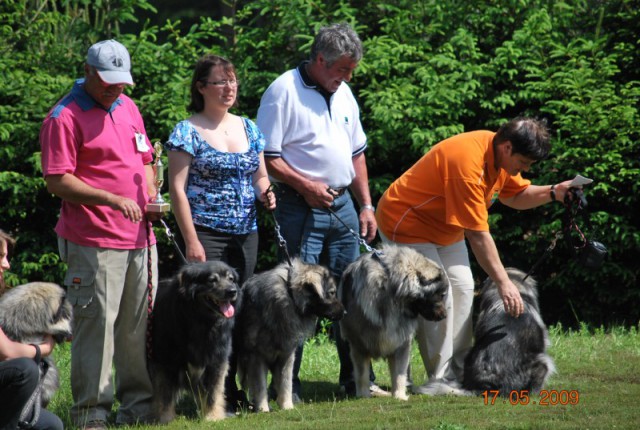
<point x="601" y="366"/>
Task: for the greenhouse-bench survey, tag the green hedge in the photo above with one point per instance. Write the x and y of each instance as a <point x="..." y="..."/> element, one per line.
<point x="432" y="68"/>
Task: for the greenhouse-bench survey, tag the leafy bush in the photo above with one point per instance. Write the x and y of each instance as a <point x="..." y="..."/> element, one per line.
<point x="431" y="69"/>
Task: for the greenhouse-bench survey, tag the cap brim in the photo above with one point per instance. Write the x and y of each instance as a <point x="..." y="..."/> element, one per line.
<point x="113" y="77"/>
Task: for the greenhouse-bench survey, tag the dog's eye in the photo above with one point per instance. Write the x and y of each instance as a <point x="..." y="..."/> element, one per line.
<point x="422" y="280"/>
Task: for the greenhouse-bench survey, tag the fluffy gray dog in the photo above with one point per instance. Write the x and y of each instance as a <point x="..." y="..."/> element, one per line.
<point x="30" y="311"/>
<point x="280" y="310"/>
<point x="509" y="353"/>
<point x="384" y="294"/>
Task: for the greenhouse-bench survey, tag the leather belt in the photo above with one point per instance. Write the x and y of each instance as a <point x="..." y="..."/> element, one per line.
<point x="338" y="191"/>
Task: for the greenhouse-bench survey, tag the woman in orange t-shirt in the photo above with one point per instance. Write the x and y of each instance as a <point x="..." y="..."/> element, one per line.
<point x="443" y="199"/>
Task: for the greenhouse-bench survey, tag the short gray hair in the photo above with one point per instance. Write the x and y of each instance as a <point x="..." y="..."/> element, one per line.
<point x="336" y="41"/>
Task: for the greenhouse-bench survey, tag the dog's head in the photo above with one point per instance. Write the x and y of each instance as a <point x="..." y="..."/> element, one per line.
<point x="314" y="291"/>
<point x="490" y="297"/>
<point x="29" y="311"/>
<point x="417" y="282"/>
<point x="211" y="286"/>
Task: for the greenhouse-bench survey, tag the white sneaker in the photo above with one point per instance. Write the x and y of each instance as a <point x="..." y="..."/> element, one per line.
<point x="376" y="391"/>
<point x="441" y="387"/>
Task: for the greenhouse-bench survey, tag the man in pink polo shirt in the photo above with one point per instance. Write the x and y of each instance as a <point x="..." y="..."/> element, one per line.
<point x="96" y="157"/>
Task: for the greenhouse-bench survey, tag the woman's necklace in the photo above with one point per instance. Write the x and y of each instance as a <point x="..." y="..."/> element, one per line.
<point x="216" y="125"/>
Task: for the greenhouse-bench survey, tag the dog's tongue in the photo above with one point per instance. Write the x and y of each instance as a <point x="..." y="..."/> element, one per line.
<point x="227" y="309"/>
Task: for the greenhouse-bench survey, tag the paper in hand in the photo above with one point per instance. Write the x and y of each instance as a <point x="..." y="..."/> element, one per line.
<point x="580" y="180"/>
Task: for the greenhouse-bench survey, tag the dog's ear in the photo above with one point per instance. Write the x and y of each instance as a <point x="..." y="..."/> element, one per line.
<point x="398" y="280"/>
<point x="346" y="285"/>
<point x="183" y="278"/>
<point x="236" y="277"/>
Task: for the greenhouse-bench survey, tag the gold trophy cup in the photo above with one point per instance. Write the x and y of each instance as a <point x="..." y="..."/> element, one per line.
<point x="157" y="204"/>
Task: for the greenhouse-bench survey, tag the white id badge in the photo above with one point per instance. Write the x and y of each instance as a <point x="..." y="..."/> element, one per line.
<point x="141" y="143"/>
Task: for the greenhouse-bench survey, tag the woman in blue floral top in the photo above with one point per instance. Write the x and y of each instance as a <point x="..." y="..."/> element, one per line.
<point x="216" y="172"/>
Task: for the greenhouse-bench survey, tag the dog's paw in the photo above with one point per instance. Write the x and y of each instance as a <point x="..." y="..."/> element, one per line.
<point x="363" y="391"/>
<point x="286" y="405"/>
<point x="377" y="391"/>
<point x="263" y="407"/>
<point x="166" y="417"/>
<point x="400" y="395"/>
<point x="216" y="415"/>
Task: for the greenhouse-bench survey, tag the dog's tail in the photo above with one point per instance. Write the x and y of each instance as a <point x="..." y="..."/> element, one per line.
<point x="542" y="368"/>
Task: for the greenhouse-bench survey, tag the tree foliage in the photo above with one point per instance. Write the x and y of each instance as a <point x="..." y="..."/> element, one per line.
<point x="432" y="68"/>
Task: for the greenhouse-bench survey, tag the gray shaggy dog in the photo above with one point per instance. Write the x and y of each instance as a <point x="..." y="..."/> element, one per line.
<point x="193" y="318"/>
<point x="30" y="311"/>
<point x="509" y="353"/>
<point x="384" y="294"/>
<point x="280" y="310"/>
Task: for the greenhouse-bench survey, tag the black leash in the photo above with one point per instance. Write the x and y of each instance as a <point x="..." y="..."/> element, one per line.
<point x="282" y="243"/>
<point x="547" y="252"/>
<point x="149" y="333"/>
<point x="173" y="240"/>
<point x="573" y="205"/>
<point x="31" y="410"/>
<point x="360" y="240"/>
<point x="574" y="201"/>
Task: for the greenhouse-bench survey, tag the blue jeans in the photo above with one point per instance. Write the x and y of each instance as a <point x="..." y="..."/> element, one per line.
<point x="318" y="237"/>
<point x="315" y="235"/>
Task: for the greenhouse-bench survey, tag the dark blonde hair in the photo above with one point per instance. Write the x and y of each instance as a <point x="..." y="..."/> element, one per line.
<point x="11" y="243"/>
<point x="201" y="73"/>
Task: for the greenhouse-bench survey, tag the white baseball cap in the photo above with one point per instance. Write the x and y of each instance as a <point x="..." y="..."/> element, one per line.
<point x="111" y="60"/>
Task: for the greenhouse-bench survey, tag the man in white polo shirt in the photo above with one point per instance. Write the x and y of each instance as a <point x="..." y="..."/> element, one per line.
<point x="315" y="154"/>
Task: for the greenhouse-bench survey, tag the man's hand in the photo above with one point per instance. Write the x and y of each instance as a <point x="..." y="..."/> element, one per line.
<point x="368" y="224"/>
<point x="128" y="207"/>
<point x="318" y="195"/>
<point x="511" y="298"/>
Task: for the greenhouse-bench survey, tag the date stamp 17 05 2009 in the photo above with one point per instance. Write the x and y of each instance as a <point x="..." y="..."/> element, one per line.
<point x="522" y="397"/>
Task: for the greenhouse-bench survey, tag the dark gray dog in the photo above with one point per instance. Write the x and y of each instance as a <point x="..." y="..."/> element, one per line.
<point x="30" y="311"/>
<point x="280" y="310"/>
<point x="193" y="318"/>
<point x="509" y="353"/>
<point x="384" y="295"/>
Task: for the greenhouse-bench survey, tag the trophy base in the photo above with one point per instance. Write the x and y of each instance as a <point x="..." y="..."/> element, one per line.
<point x="158" y="207"/>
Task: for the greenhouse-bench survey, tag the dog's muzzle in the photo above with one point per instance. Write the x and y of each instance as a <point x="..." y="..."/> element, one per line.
<point x="335" y="311"/>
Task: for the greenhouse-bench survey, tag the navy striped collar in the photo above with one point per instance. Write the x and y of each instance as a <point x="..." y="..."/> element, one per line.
<point x="85" y="101"/>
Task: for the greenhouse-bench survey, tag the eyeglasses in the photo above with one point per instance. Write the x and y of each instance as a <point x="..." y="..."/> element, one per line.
<point x="223" y="83"/>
